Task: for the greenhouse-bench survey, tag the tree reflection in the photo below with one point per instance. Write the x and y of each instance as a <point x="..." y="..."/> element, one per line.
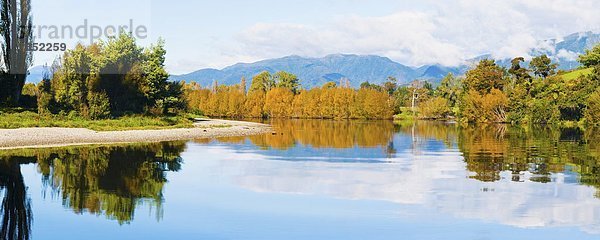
<point x="322" y="134"/>
<point x="102" y="180"/>
<point x="539" y="150"/>
<point x="16" y="206"/>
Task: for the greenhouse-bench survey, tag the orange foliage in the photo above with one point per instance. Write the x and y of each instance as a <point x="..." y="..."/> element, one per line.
<point x="322" y="103"/>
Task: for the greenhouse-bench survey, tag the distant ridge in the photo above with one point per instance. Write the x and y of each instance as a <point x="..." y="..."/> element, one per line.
<point x="375" y="69"/>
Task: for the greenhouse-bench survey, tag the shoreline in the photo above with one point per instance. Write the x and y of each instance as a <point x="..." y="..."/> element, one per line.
<point x="61" y="137"/>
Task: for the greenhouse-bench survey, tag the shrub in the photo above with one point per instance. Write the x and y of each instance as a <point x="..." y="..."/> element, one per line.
<point x="99" y="106"/>
<point x="471" y="107"/>
<point x="435" y="108"/>
<point x="495" y="106"/>
<point x="44" y="104"/>
<point x="592" y="113"/>
<point x="543" y="111"/>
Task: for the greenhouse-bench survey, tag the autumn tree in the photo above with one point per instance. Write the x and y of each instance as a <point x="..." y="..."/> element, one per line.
<point x="278" y="102"/>
<point x="435" y="108"/>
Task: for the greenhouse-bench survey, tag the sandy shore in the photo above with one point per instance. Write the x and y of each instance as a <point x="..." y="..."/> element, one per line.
<point x="54" y="137"/>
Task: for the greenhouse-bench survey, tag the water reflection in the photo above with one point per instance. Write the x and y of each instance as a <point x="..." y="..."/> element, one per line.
<point x="529" y="177"/>
<point x="531" y="154"/>
<point x="321" y="134"/>
<point x="517" y="176"/>
<point x="16" y="205"/>
<point x="103" y="180"/>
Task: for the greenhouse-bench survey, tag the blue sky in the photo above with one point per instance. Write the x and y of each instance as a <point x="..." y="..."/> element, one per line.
<point x="216" y="34"/>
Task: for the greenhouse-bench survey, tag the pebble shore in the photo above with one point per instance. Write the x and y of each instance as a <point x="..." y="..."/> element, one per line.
<point x="56" y="137"/>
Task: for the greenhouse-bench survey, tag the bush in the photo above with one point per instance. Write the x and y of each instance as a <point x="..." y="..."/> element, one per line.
<point x="99" y="106"/>
<point x="494" y="106"/>
<point x="592" y="113"/>
<point x="471" y="107"/>
<point x="543" y="111"/>
<point x="435" y="108"/>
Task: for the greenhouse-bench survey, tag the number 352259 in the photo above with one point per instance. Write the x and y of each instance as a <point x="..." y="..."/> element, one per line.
<point x="48" y="47"/>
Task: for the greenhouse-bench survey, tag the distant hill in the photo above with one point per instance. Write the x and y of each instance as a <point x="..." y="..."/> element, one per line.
<point x="375" y="69"/>
<point x="311" y="71"/>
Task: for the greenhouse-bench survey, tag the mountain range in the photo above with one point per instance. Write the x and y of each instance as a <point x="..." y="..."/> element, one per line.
<point x="375" y="69"/>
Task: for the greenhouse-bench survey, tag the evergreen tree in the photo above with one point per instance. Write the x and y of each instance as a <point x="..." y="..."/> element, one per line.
<point x="542" y="66"/>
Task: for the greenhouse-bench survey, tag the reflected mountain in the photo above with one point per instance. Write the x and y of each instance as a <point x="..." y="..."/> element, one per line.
<point x="103" y="180"/>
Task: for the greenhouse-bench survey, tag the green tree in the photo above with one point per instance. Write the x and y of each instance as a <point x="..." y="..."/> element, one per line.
<point x="591" y="57"/>
<point x="592" y="113"/>
<point x="368" y="85"/>
<point x="156" y="88"/>
<point x="70" y="83"/>
<point x="262" y="82"/>
<point x="449" y="89"/>
<point x="542" y="66"/>
<point x="329" y="85"/>
<point x="391" y="85"/>
<point x="484" y="77"/>
<point x="287" y="80"/>
<point x="121" y="72"/>
<point x="520" y="73"/>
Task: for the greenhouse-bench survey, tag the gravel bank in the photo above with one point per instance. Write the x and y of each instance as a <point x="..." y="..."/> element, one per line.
<point x="53" y="137"/>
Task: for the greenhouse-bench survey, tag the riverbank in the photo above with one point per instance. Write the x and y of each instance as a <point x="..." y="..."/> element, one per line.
<point x="57" y="137"/>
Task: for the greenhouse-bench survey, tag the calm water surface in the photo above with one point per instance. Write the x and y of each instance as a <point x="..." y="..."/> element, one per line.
<point x="314" y="180"/>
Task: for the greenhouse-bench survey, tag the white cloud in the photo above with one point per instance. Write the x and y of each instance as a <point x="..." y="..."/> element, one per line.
<point x="448" y="32"/>
<point x="567" y="55"/>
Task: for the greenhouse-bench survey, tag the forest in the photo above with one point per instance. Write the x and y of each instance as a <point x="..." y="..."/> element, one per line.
<point x="118" y="79"/>
<point x="537" y="94"/>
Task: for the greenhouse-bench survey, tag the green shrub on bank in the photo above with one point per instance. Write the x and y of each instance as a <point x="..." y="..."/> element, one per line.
<point x="592" y="113"/>
<point x="28" y="119"/>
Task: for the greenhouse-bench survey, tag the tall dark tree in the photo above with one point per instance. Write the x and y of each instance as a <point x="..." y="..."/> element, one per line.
<point x="15" y="211"/>
<point x="16" y="36"/>
<point x="520" y="74"/>
<point x="542" y="66"/>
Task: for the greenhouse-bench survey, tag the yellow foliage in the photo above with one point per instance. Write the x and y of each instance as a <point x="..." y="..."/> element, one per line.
<point x="489" y="107"/>
<point x="326" y="102"/>
<point x="254" y="104"/>
<point x="279" y="102"/>
<point x="435" y="108"/>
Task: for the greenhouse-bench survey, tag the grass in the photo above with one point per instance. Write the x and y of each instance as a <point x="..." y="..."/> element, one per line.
<point x="26" y="119"/>
<point x="405" y="114"/>
<point x="576" y="73"/>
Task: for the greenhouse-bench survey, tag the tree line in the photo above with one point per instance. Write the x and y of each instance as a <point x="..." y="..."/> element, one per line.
<point x="519" y="94"/>
<point x="537" y="94"/>
<point x="279" y="96"/>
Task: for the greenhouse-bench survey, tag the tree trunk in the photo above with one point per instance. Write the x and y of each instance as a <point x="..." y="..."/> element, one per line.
<point x="15" y="28"/>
